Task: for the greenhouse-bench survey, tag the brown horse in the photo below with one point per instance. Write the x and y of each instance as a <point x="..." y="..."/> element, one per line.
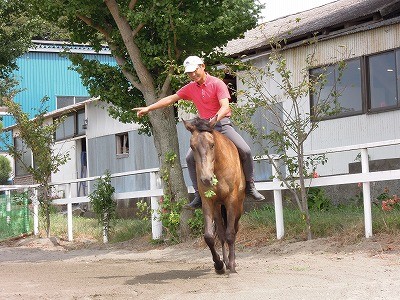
<point x="221" y="186"/>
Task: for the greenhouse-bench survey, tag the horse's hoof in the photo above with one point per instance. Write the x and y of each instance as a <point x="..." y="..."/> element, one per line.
<point x="219" y="268"/>
<point x="232" y="274"/>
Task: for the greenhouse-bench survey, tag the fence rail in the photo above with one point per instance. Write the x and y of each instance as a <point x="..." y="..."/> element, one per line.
<point x="155" y="191"/>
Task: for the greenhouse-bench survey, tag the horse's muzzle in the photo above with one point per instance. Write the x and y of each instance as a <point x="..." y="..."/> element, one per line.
<point x="207" y="181"/>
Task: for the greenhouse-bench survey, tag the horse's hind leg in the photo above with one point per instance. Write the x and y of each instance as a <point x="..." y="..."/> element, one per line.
<point x="231" y="230"/>
<point x="209" y="238"/>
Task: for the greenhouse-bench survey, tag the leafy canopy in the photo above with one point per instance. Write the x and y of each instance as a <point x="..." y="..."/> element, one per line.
<point x="149" y="40"/>
<point x="17" y="29"/>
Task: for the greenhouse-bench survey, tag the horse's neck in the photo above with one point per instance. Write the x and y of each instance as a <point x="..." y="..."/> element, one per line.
<point x="223" y="145"/>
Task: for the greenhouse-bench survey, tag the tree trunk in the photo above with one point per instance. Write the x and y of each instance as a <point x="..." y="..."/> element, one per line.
<point x="48" y="220"/>
<point x="166" y="142"/>
<point x="46" y="206"/>
<point x="304" y="196"/>
<point x="162" y="120"/>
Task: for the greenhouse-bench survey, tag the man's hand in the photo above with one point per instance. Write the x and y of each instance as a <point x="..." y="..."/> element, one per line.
<point x="164" y="102"/>
<point x="141" y="111"/>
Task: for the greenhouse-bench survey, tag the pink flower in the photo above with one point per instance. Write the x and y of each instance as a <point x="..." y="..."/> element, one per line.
<point x="315" y="175"/>
<point x="385" y="206"/>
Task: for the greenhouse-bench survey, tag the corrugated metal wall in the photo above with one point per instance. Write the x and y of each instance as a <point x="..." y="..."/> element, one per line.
<point x="44" y="74"/>
<point x="143" y="155"/>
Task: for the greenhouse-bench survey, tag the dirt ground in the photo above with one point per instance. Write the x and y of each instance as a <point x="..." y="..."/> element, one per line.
<point x="318" y="269"/>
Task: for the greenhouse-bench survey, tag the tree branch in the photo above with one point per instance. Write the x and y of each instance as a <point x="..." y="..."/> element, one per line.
<point x="142" y="72"/>
<point x="132" y="4"/>
<point x="138" y="28"/>
<point x="120" y="60"/>
<point x="90" y="23"/>
<point x="167" y="83"/>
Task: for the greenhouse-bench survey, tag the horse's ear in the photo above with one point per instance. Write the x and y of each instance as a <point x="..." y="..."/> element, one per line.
<point x="213" y="121"/>
<point x="189" y="126"/>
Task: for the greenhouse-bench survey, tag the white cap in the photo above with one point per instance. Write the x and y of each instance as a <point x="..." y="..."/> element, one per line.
<point x="191" y="63"/>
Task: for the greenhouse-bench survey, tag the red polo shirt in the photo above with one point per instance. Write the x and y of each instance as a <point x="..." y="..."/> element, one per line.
<point x="205" y="96"/>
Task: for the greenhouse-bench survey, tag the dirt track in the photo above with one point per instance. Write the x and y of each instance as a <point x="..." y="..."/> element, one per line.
<point x="306" y="270"/>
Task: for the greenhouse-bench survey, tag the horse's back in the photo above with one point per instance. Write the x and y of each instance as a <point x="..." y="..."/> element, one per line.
<point x="228" y="167"/>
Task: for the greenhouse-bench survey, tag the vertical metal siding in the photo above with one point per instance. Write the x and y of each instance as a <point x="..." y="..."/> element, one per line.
<point x="142" y="155"/>
<point x="42" y="74"/>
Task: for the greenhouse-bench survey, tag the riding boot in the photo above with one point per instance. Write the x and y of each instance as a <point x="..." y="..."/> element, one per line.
<point x="252" y="192"/>
<point x="196" y="202"/>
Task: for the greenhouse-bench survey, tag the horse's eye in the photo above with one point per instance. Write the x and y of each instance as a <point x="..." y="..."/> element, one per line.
<point x="212" y="146"/>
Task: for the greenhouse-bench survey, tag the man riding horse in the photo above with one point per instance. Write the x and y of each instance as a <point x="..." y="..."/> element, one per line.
<point x="211" y="97"/>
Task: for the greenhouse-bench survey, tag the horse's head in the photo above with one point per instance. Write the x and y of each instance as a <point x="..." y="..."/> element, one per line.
<point x="202" y="144"/>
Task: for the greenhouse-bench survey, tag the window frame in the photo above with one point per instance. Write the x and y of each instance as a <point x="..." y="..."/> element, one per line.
<point x="121" y="150"/>
<point x="72" y="99"/>
<point x="334" y="68"/>
<point x="19" y="169"/>
<point x="369" y="109"/>
<point x="77" y="132"/>
<point x="365" y="86"/>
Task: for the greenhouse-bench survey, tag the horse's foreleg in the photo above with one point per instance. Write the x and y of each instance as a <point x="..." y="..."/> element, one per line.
<point x="231" y="231"/>
<point x="209" y="239"/>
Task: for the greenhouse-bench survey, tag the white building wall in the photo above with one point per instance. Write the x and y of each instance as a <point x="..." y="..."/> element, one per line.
<point x="348" y="130"/>
<point x="101" y="124"/>
<point x="69" y="170"/>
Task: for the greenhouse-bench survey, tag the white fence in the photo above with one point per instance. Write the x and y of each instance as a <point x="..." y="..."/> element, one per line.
<point x="155" y="192"/>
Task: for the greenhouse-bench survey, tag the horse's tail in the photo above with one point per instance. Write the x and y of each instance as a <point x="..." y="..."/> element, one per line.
<point x="224" y="215"/>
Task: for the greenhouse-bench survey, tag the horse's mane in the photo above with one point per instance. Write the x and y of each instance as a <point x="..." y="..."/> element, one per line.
<point x="202" y="124"/>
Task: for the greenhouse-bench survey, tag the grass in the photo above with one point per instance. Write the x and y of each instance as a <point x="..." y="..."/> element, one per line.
<point x="346" y="222"/>
<point x="337" y="221"/>
<point x="88" y="228"/>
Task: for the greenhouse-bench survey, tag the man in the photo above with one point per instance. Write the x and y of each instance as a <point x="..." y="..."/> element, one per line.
<point x="211" y="97"/>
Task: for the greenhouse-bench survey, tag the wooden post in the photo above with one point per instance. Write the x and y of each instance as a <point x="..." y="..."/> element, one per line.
<point x="280" y="228"/>
<point x="8" y="206"/>
<point x="35" y="202"/>
<point x="156" y="224"/>
<point x="366" y="194"/>
<point x="69" y="212"/>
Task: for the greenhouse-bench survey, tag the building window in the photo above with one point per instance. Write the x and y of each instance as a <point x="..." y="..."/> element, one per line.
<point x="382" y="81"/>
<point x="369" y="84"/>
<point x="72" y="126"/>
<point x="81" y="122"/>
<point x="64" y="101"/>
<point x="122" y="144"/>
<point x="230" y="82"/>
<point x="340" y="84"/>
<point x="20" y="167"/>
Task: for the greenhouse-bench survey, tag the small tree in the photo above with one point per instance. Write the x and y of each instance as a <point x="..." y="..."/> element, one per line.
<point x="291" y="124"/>
<point x="39" y="137"/>
<point x="103" y="203"/>
<point x="5" y="169"/>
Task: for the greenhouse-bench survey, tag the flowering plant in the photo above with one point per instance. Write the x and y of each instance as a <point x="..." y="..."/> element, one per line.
<point x="389" y="202"/>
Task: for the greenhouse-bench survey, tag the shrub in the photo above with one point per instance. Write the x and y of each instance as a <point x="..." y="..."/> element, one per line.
<point x="103" y="203"/>
<point x="5" y="169"/>
<point x="317" y="200"/>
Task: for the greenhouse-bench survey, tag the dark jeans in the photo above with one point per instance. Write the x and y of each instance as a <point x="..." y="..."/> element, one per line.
<point x="225" y="127"/>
